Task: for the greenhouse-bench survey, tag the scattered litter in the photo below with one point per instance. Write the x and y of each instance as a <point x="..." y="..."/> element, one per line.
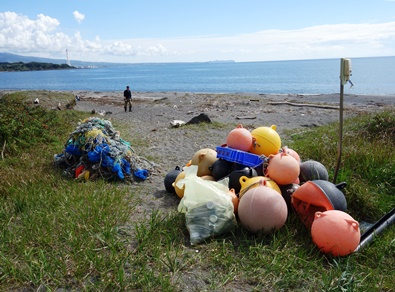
<point x="177" y="123"/>
<point x="100" y="112"/>
<point x="202" y="118"/>
<point x="95" y="149"/>
<point x="207" y="206"/>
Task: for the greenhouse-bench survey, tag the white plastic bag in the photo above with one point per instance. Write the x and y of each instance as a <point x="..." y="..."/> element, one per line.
<point x="207" y="206"/>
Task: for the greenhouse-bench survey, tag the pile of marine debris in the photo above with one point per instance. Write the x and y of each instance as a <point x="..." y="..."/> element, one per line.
<point x="95" y="149"/>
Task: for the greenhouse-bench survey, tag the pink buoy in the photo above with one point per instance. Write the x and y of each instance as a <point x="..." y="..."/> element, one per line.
<point x="239" y="138"/>
<point x="292" y="153"/>
<point x="261" y="209"/>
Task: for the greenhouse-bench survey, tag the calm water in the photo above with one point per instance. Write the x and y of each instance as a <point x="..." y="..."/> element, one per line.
<point x="370" y="76"/>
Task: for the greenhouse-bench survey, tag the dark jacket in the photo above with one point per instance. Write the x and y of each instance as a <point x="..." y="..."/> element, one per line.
<point x="127" y="94"/>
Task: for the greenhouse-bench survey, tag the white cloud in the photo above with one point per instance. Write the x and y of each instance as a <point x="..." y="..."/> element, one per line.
<point x="22" y="35"/>
<point x="324" y="41"/>
<point x="43" y="37"/>
<point x="79" y="17"/>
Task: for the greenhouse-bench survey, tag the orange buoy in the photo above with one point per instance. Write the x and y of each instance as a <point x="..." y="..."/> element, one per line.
<point x="317" y="195"/>
<point x="335" y="232"/>
<point x="235" y="200"/>
<point x="283" y="169"/>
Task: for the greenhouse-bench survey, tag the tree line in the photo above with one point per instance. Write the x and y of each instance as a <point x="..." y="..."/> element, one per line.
<point x="32" y="66"/>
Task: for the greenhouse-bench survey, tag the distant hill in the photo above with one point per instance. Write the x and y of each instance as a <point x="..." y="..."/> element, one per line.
<point x="32" y="66"/>
<point x="13" y="58"/>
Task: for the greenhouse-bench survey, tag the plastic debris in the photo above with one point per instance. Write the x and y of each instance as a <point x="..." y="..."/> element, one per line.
<point x="95" y="149"/>
<point x="208" y="208"/>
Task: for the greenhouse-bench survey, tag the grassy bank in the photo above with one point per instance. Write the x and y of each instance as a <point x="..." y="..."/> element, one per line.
<point x="58" y="233"/>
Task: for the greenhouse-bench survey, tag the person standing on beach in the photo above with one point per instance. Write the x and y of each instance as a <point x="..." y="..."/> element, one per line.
<point x="127" y="94"/>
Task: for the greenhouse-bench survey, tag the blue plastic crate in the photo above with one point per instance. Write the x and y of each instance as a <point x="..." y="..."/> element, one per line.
<point x="240" y="157"/>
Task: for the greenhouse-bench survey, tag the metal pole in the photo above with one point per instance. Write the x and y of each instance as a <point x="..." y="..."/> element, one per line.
<point x="386" y="221"/>
<point x="340" y="146"/>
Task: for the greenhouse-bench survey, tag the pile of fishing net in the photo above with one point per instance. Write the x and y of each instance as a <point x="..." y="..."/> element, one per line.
<point x="95" y="149"/>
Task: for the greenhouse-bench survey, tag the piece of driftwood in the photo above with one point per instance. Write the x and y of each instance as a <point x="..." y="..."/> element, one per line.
<point x="159" y="98"/>
<point x="303" y="104"/>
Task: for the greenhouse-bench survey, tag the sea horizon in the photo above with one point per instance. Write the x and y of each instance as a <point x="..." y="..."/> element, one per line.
<point x="370" y="76"/>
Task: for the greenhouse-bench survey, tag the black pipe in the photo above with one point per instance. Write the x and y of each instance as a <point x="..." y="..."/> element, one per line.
<point x="384" y="222"/>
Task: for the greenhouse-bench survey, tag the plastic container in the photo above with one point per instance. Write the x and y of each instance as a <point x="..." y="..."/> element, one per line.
<point x="240" y="157"/>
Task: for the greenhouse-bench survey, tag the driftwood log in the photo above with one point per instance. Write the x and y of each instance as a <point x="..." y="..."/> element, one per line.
<point x="303" y="104"/>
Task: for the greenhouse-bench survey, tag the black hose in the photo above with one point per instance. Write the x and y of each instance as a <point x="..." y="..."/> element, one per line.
<point x="384" y="222"/>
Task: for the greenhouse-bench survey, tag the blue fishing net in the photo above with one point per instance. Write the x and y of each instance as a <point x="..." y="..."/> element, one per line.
<point x="96" y="149"/>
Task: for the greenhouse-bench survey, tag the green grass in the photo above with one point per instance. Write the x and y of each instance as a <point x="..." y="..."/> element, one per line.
<point x="367" y="163"/>
<point x="56" y="233"/>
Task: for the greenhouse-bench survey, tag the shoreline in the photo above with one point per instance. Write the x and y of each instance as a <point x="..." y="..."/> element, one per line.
<point x="385" y="99"/>
<point x="158" y="109"/>
<point x="322" y="98"/>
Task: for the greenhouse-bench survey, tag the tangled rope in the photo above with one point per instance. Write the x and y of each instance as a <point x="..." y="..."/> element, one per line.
<point x="95" y="149"/>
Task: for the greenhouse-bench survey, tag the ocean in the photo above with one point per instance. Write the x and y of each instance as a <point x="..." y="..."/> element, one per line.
<point x="370" y="76"/>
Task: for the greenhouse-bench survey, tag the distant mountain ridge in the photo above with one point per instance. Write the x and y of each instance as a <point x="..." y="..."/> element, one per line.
<point x="12" y="58"/>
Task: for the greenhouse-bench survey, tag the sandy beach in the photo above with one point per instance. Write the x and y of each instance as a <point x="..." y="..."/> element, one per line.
<point x="153" y="112"/>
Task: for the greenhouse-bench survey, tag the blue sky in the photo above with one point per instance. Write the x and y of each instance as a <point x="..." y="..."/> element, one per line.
<point x="194" y="31"/>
